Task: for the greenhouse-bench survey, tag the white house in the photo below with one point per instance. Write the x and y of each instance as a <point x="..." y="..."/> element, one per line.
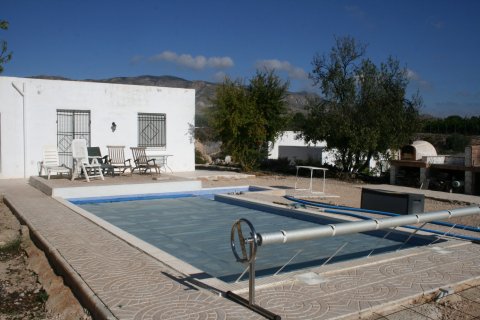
<point x="288" y="146"/>
<point x="37" y="112"/>
<point x="293" y="148"/>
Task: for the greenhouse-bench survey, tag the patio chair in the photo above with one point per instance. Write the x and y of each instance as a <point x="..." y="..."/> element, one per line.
<point x="116" y="158"/>
<point x="81" y="161"/>
<point x="142" y="162"/>
<point x="95" y="153"/>
<point x="51" y="164"/>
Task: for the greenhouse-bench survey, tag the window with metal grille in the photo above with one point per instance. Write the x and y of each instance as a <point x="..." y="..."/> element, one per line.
<point x="152" y="130"/>
<point x="71" y="124"/>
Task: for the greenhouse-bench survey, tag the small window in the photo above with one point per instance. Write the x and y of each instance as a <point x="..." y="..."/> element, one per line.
<point x="152" y="130"/>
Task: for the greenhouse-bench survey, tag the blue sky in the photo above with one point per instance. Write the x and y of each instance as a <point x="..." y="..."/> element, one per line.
<point x="438" y="41"/>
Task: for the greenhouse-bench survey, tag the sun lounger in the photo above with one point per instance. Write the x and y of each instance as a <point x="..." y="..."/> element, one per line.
<point x="51" y="164"/>
<point x="81" y="163"/>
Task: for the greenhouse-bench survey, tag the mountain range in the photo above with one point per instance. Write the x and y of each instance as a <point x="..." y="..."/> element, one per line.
<point x="204" y="90"/>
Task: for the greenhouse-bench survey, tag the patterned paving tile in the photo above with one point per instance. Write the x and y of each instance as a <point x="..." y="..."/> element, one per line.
<point x="131" y="284"/>
<point x="135" y="286"/>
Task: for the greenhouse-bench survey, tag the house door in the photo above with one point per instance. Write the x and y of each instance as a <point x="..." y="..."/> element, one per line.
<point x="71" y="124"/>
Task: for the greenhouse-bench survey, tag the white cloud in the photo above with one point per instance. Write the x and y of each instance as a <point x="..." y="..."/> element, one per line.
<point x="198" y="62"/>
<point x="220" y="62"/>
<point x="415" y="77"/>
<point x="274" y="64"/>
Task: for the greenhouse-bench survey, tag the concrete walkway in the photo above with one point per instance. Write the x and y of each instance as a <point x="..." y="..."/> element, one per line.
<point x="117" y="281"/>
<point x="113" y="279"/>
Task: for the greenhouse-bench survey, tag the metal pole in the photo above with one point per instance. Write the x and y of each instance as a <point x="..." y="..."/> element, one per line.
<point x="296" y="182"/>
<point x="331" y="230"/>
<point x="323" y="190"/>
<point x="311" y="180"/>
<point x="251" y="283"/>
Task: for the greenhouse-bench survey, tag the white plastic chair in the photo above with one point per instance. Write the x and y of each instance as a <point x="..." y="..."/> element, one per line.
<point x="51" y="164"/>
<point x="80" y="161"/>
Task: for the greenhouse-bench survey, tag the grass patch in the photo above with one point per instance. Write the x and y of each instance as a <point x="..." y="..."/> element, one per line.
<point x="10" y="249"/>
<point x="42" y="296"/>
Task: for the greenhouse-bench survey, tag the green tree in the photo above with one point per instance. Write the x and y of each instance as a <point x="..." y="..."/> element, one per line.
<point x="452" y="124"/>
<point x="457" y="142"/>
<point x="246" y="117"/>
<point x="5" y="56"/>
<point x="296" y="122"/>
<point x="363" y="112"/>
<point x="268" y="92"/>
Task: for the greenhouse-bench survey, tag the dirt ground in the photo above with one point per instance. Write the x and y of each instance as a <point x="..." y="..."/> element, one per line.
<point x="29" y="288"/>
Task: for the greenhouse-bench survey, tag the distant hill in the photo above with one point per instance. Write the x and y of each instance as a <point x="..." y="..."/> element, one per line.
<point x="204" y="90"/>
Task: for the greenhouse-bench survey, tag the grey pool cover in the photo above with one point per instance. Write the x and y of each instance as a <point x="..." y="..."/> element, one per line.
<point x="197" y="231"/>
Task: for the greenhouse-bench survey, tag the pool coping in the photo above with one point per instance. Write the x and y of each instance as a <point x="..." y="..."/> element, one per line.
<point x="218" y="286"/>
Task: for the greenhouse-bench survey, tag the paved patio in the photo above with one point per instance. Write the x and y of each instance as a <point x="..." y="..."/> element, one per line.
<point x="115" y="280"/>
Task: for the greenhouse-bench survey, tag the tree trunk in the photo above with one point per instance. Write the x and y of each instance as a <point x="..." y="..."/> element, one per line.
<point x="367" y="161"/>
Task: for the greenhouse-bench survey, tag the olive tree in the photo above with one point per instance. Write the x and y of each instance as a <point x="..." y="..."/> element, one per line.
<point x="5" y="56"/>
<point x="363" y="112"/>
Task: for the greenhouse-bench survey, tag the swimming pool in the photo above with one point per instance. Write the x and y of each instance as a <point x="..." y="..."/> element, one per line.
<point x="196" y="230"/>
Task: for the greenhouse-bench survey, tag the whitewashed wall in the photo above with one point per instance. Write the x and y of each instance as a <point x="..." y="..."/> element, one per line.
<point x="107" y="103"/>
<point x="298" y="149"/>
<point x="287" y="146"/>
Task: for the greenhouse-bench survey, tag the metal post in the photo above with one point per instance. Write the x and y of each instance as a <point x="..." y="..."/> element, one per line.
<point x="251" y="283"/>
<point x="311" y="180"/>
<point x="323" y="190"/>
<point x="247" y="256"/>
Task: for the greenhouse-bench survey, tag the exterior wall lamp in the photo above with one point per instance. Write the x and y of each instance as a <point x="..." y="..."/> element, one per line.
<point x="113" y="127"/>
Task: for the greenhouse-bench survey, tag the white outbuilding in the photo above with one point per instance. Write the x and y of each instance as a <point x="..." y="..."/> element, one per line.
<point x="39" y="112"/>
<point x="289" y="145"/>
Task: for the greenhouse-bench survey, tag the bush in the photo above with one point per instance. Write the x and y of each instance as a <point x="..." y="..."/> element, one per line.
<point x="281" y="165"/>
<point x="457" y="142"/>
<point x="199" y="159"/>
